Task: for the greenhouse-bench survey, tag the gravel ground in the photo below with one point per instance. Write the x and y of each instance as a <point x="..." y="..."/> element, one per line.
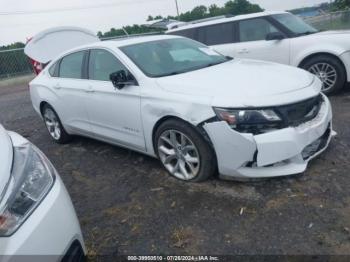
<point x="127" y="204"/>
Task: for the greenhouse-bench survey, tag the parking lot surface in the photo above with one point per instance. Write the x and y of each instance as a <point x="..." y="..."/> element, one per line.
<point x="127" y="204"/>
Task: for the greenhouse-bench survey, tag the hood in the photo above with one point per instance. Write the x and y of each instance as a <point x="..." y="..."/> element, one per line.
<point x="50" y="43"/>
<point x="6" y="157"/>
<point x="243" y="83"/>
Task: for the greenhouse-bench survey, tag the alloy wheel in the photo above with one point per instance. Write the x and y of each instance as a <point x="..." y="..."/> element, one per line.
<point x="52" y="123"/>
<point x="179" y="154"/>
<point x="327" y="73"/>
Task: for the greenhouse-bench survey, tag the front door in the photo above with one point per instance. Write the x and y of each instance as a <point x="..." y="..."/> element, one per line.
<point x="114" y="114"/>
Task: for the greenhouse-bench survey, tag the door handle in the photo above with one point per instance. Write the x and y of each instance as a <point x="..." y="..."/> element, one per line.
<point x="57" y="86"/>
<point x="243" y="51"/>
<point x="89" y="89"/>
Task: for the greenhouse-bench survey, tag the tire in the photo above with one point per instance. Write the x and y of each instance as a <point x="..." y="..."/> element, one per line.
<point x="191" y="153"/>
<point x="329" y="69"/>
<point x="54" y="125"/>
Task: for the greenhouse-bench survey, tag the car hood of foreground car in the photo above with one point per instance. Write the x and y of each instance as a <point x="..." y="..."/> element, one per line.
<point x="6" y="157"/>
<point x="245" y="83"/>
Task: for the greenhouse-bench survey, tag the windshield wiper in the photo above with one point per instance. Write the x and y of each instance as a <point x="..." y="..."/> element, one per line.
<point x="307" y="33"/>
<point x="170" y="74"/>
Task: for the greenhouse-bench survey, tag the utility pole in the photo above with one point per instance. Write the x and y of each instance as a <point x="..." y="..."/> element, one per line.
<point x="177" y="8"/>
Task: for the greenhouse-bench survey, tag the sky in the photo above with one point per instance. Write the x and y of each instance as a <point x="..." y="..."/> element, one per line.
<point x="20" y="19"/>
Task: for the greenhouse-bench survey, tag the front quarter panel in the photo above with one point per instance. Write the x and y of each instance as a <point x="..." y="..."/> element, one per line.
<point x="158" y="104"/>
<point x="303" y="47"/>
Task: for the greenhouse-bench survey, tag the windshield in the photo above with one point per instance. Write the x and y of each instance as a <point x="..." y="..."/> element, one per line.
<point x="172" y="56"/>
<point x="295" y="24"/>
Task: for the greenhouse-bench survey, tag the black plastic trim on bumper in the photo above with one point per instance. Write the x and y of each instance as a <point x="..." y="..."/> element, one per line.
<point x="75" y="253"/>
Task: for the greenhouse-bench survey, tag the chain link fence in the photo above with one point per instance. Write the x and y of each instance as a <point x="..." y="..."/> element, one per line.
<point x="330" y="21"/>
<point x="14" y="63"/>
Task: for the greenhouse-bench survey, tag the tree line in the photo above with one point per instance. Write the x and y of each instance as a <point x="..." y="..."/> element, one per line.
<point x="12" y="46"/>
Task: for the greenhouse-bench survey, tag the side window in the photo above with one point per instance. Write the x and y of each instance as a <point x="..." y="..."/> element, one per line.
<point x="71" y="65"/>
<point x="103" y="63"/>
<point x="53" y="70"/>
<point x="255" y="29"/>
<point x="217" y="34"/>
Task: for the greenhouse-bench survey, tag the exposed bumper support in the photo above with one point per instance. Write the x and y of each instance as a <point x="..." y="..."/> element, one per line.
<point x="277" y="153"/>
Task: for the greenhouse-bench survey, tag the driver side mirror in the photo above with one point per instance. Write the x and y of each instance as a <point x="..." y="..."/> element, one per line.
<point x="275" y="36"/>
<point x="122" y="78"/>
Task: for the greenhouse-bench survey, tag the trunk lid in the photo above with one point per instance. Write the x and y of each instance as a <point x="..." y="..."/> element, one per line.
<point x="48" y="44"/>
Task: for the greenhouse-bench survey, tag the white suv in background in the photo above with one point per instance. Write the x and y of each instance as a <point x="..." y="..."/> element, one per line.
<point x="37" y="217"/>
<point x="278" y="37"/>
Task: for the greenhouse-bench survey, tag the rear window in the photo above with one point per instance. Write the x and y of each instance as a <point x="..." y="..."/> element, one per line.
<point x="71" y="65"/>
<point x="217" y="34"/>
<point x="189" y="33"/>
<point x="53" y="70"/>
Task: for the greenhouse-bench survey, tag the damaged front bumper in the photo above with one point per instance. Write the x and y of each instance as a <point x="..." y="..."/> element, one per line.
<point x="278" y="153"/>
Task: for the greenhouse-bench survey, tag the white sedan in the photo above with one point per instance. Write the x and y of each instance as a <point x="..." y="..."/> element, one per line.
<point x="37" y="217"/>
<point x="278" y="37"/>
<point x="196" y="110"/>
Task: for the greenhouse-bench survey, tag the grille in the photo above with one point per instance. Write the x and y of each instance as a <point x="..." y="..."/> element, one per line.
<point x="301" y="112"/>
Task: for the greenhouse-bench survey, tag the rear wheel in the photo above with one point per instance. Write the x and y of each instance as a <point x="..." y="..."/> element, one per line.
<point x="54" y="125"/>
<point x="184" y="152"/>
<point x="330" y="70"/>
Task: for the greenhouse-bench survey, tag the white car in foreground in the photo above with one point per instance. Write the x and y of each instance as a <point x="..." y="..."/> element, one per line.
<point x="278" y="37"/>
<point x="37" y="217"/>
<point x="176" y="99"/>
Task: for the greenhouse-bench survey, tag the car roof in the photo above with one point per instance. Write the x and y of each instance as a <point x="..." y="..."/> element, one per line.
<point x="224" y="20"/>
<point x="116" y="43"/>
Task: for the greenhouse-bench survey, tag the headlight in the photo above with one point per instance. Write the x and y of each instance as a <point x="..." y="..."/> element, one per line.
<point x="243" y="120"/>
<point x="31" y="179"/>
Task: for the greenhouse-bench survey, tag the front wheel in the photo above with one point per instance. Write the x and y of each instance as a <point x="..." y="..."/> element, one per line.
<point x="329" y="70"/>
<point x="184" y="152"/>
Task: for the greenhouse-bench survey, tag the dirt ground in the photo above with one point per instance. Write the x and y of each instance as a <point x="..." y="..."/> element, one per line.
<point x="127" y="204"/>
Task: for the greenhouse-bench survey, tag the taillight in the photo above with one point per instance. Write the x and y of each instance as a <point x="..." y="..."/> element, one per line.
<point x="37" y="66"/>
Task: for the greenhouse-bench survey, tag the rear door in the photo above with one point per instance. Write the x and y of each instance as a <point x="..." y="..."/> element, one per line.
<point x="71" y="89"/>
<point x="252" y="43"/>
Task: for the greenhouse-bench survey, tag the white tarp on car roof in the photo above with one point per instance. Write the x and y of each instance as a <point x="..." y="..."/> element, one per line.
<point x="48" y="44"/>
<point x="164" y="23"/>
